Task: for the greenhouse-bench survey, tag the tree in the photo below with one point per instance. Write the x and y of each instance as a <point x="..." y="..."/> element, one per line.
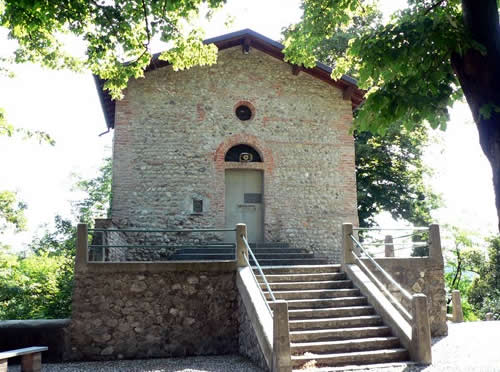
<point x="41" y="284"/>
<point x="390" y="176"/>
<point x="11" y="211"/>
<point x="416" y="65"/>
<point x="484" y="293"/>
<point x="389" y="168"/>
<point x="114" y="32"/>
<point x="463" y="261"/>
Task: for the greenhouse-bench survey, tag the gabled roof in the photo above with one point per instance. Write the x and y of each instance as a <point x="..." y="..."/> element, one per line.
<point x="246" y="39"/>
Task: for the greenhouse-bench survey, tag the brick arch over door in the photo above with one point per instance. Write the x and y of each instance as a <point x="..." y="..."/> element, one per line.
<point x="267" y="166"/>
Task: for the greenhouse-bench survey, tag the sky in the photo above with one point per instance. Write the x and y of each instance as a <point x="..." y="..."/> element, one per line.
<point x="66" y="105"/>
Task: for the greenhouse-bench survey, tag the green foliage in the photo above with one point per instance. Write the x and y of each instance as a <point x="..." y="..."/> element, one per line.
<point x="98" y="200"/>
<point x="7" y="129"/>
<point x="11" y="211"/>
<point x="41" y="285"/>
<point x="389" y="168"/>
<point x="404" y="64"/>
<point x="484" y="293"/>
<point x="30" y="288"/>
<point x="390" y="176"/>
<point x="114" y="32"/>
<point x="463" y="263"/>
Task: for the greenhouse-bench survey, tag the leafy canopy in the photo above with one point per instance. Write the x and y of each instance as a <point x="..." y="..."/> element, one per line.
<point x="11" y="212"/>
<point x="389" y="168"/>
<point x="41" y="284"/>
<point x="114" y="32"/>
<point x="404" y="64"/>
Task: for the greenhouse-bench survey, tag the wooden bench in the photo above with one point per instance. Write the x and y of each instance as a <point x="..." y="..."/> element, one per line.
<point x="31" y="358"/>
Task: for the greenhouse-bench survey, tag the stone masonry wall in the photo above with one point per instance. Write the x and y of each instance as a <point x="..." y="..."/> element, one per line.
<point x="247" y="339"/>
<point x="418" y="275"/>
<point x="131" y="314"/>
<point x="173" y="129"/>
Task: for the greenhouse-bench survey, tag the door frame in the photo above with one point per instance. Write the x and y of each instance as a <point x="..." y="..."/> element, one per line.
<point x="263" y="204"/>
<point x="266" y="166"/>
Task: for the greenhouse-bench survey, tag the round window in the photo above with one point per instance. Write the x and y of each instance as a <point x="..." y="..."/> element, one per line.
<point x="243" y="112"/>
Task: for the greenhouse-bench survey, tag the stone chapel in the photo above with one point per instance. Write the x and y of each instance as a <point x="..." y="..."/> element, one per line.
<point x="251" y="139"/>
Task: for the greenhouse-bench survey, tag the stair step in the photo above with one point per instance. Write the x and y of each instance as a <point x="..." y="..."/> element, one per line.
<point x="295" y="286"/>
<point x="275" y="278"/>
<point x="205" y="250"/>
<point x="198" y="256"/>
<point x="270" y="245"/>
<point x="290" y="261"/>
<point x="340" y="346"/>
<point x="327" y="302"/>
<point x="283" y="256"/>
<point x="314" y="293"/>
<point x="339" y="334"/>
<point x="299" y="269"/>
<point x="339" y="312"/>
<point x="278" y="250"/>
<point x="345" y="322"/>
<point x="358" y="358"/>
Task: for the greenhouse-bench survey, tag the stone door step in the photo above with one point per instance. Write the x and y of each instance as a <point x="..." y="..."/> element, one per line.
<point x="352" y="321"/>
<point x="314" y="293"/>
<point x="329" y="284"/>
<point x="299" y="269"/>
<point x="361" y="357"/>
<point x="326" y="302"/>
<point x="289" y="261"/>
<point x="339" y="334"/>
<point x="331" y="312"/>
<point x="343" y="346"/>
<point x="274" y="278"/>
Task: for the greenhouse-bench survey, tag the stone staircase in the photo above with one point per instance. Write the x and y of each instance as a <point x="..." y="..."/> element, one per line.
<point x="278" y="254"/>
<point x="268" y="254"/>
<point x="331" y="323"/>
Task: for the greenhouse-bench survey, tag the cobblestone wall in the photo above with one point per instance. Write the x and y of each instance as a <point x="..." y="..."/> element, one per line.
<point x="247" y="339"/>
<point x="172" y="130"/>
<point x="141" y="315"/>
<point x="418" y="275"/>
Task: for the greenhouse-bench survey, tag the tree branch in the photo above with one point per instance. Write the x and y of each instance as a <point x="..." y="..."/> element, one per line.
<point x="433" y="6"/>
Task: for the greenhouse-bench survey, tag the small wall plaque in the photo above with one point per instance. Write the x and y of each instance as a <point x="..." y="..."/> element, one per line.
<point x="252" y="198"/>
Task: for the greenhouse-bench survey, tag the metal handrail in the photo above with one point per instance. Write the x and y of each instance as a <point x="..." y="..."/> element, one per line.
<point x="394" y="229"/>
<point x="260" y="271"/>
<point x="413" y="244"/>
<point x="258" y="284"/>
<point x="402" y="310"/>
<point x="159" y="230"/>
<point x="403" y="291"/>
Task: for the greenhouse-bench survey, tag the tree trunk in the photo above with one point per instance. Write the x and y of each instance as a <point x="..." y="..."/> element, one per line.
<point x="479" y="77"/>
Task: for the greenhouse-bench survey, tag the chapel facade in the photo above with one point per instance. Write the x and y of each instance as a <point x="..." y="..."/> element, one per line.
<point x="251" y="139"/>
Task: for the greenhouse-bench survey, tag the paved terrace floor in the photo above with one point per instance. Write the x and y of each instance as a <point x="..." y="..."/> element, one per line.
<point x="468" y="347"/>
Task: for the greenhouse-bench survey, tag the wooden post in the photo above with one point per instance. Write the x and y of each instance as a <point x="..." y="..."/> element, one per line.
<point x="31" y="362"/>
<point x="435" y="252"/>
<point x="389" y="246"/>
<point x="4" y="365"/>
<point x="420" y="349"/>
<point x="347" y="246"/>
<point x="282" y="361"/>
<point x="456" y="303"/>
<point x="82" y="237"/>
<point x="241" y="248"/>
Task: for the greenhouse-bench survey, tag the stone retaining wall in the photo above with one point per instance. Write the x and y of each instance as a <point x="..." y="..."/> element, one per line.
<point x="418" y="275"/>
<point x="247" y="339"/>
<point x="153" y="310"/>
<point x="53" y="333"/>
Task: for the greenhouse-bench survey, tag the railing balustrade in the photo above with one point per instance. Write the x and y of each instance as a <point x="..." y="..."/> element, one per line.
<point x="354" y="252"/>
<point x="128" y="244"/>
